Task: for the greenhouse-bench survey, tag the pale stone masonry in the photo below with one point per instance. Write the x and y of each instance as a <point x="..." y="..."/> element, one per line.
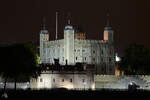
<point x="79" y="76"/>
<point x="121" y="82"/>
<point x="71" y="50"/>
<point x="76" y="55"/>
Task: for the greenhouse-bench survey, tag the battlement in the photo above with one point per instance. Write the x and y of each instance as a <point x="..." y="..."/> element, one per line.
<point x="90" y="41"/>
<point x="80" y="67"/>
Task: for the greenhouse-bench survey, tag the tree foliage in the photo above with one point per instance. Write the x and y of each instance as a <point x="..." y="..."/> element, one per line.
<point x="19" y="61"/>
<point x="136" y="60"/>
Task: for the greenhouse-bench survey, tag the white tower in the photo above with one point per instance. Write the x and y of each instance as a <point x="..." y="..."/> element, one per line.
<point x="108" y="32"/>
<point x="69" y="43"/>
<point x="44" y="37"/>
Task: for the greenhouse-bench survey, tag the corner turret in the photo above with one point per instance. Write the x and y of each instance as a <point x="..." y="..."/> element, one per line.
<point x="108" y="32"/>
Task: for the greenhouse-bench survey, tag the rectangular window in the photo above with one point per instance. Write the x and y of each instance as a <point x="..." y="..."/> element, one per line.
<point x="102" y="59"/>
<point x="94" y="59"/>
<point x="83" y="80"/>
<point x="94" y="51"/>
<point x="110" y="69"/>
<point x="62" y="80"/>
<point x="71" y="80"/>
<point x="110" y="52"/>
<point x="76" y="58"/>
<point x="41" y="80"/>
<point x="85" y="58"/>
<point x="54" y="80"/>
<point x="110" y="60"/>
<point x="102" y="51"/>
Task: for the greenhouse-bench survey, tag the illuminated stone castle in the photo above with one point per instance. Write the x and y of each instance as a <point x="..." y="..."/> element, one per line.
<point x="78" y="59"/>
<point x="75" y="47"/>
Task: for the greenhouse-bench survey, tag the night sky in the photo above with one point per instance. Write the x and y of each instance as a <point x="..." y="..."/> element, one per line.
<point x="21" y="20"/>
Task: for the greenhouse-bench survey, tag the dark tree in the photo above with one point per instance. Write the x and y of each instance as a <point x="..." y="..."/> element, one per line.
<point x="136" y="60"/>
<point x="19" y="62"/>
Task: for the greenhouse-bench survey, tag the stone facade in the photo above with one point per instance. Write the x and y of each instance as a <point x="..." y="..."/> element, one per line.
<point x="69" y="80"/>
<point x="49" y="79"/>
<point x="121" y="82"/>
<point x="71" y="50"/>
<point x="65" y="76"/>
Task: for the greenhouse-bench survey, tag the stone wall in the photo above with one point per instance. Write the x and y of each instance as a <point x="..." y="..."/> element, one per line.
<point x="121" y="82"/>
<point x="99" y="81"/>
<point x="67" y="80"/>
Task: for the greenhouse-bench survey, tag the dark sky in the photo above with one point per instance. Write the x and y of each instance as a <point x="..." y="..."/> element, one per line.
<point x="21" y="20"/>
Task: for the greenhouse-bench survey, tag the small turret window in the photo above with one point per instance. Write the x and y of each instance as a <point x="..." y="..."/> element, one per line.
<point x="94" y="59"/>
<point x="76" y="58"/>
<point x="94" y="51"/>
<point x="85" y="58"/>
<point x="71" y="80"/>
<point x="41" y="80"/>
<point x="102" y="59"/>
<point x="101" y="51"/>
<point x="54" y="80"/>
<point x="83" y="80"/>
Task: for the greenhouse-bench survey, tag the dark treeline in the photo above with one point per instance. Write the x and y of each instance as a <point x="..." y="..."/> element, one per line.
<point x="18" y="62"/>
<point x="136" y="60"/>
